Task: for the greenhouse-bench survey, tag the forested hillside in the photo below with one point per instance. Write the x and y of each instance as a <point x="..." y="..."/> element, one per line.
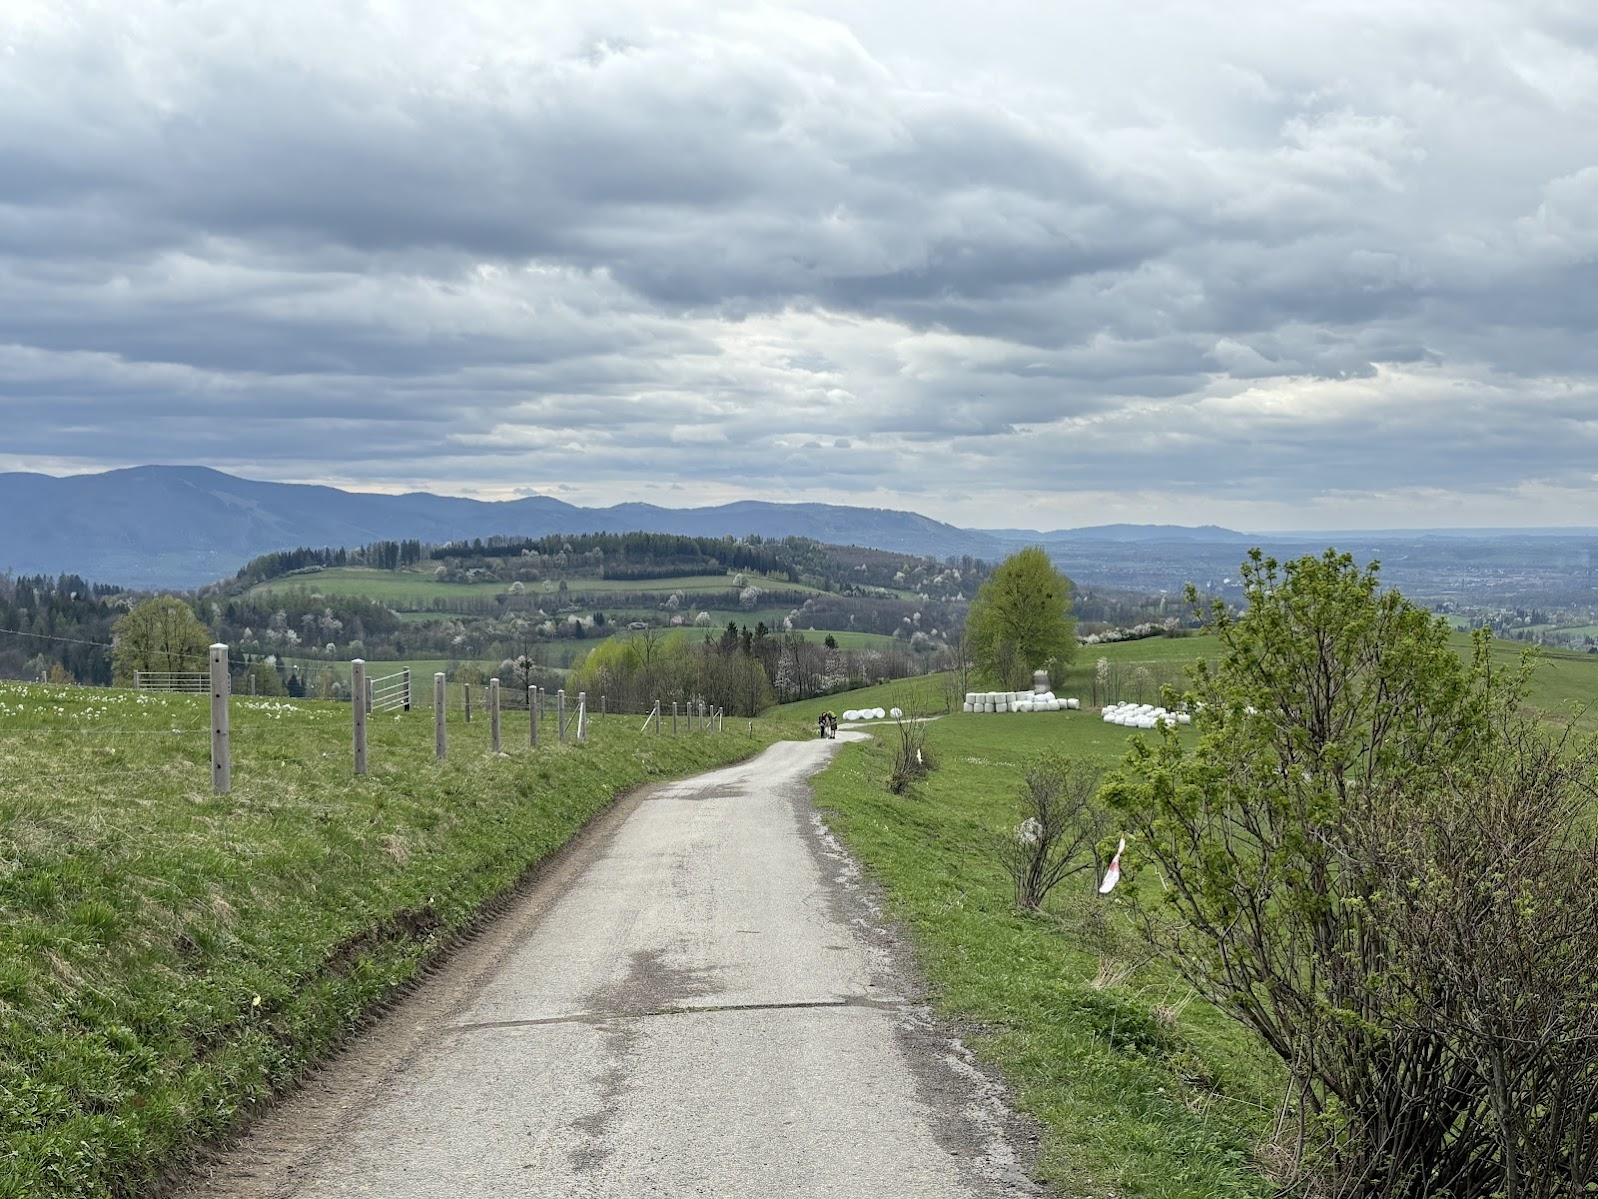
<point x="57" y="628"/>
<point x="786" y="618"/>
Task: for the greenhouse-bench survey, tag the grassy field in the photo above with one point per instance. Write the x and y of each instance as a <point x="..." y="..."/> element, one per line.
<point x="1140" y="1089"/>
<point x="169" y="957"/>
<point x="1565" y="684"/>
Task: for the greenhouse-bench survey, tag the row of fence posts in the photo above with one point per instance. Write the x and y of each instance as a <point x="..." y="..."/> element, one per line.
<point x="573" y="727"/>
<point x="399" y="695"/>
<point x="700" y="716"/>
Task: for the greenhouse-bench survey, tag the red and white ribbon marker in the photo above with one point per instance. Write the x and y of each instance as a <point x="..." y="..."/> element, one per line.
<point x="1113" y="874"/>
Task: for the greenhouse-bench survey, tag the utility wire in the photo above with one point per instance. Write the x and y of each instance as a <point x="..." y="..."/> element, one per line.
<point x="50" y="637"/>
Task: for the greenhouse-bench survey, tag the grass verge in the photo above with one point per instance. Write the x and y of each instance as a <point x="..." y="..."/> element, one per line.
<point x="168" y="957"/>
<point x="1141" y="1089"/>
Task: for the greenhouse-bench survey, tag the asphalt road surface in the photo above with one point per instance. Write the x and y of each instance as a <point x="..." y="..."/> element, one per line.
<point x="700" y="999"/>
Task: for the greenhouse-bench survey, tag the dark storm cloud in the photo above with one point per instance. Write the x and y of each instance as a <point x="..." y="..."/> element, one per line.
<point x="1231" y="252"/>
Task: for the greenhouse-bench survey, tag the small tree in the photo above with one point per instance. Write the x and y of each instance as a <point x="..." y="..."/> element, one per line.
<point x="1060" y="827"/>
<point x="1375" y="860"/>
<point x="1021" y="618"/>
<point x="160" y="634"/>
<point x="267" y="679"/>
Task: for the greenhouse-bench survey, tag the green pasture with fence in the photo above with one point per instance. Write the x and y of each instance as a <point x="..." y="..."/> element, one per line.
<point x="171" y="955"/>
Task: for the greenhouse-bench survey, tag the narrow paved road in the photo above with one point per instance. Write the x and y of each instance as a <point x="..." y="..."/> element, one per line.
<point x="703" y="1002"/>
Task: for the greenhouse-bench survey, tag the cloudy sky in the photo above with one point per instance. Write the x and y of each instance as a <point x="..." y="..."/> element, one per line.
<point x="1269" y="264"/>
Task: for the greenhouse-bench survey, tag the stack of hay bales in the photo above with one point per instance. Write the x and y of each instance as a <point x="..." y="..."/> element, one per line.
<point x="865" y="714"/>
<point x="1016" y="701"/>
<point x="1143" y="716"/>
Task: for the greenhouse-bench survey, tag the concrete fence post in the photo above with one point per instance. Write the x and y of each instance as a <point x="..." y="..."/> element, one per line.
<point x="439" y="712"/>
<point x="657" y="718"/>
<point x="582" y="716"/>
<point x="560" y="714"/>
<point x="357" y="690"/>
<point x="371" y="695"/>
<point x="603" y="711"/>
<point x="466" y="691"/>
<point x="407" y="673"/>
<point x="673" y="718"/>
<point x="136" y="679"/>
<point x="221" y="747"/>
<point x="493" y="714"/>
<point x="532" y="716"/>
<point x="252" y="684"/>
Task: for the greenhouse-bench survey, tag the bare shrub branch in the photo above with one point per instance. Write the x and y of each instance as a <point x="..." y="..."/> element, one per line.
<point x="912" y="759"/>
<point x="1060" y="825"/>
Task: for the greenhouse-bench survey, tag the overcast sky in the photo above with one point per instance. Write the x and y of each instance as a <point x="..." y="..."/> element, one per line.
<point x="1265" y="264"/>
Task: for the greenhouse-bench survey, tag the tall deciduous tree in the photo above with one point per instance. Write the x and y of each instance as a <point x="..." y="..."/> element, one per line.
<point x="160" y="634"/>
<point x="1375" y="859"/>
<point x="1021" y="619"/>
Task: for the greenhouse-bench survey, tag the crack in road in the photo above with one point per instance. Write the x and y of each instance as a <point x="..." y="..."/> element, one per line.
<point x="601" y="1019"/>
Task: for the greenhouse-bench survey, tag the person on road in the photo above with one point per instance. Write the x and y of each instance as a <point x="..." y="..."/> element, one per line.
<point x="827" y="725"/>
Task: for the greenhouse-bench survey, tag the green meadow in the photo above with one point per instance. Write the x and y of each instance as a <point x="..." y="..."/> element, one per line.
<point x="170" y="957"/>
<point x="1141" y="1089"/>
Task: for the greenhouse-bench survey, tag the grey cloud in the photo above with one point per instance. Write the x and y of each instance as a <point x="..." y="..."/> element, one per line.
<point x="531" y="238"/>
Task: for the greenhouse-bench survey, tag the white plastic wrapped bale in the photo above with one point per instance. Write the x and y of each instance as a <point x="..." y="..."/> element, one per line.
<point x="1072" y="705"/>
<point x="1183" y="718"/>
<point x="1023" y="705"/>
<point x="973" y="697"/>
<point x="1052" y="705"/>
<point x="851" y="714"/>
<point x="896" y="713"/>
<point x="965" y="707"/>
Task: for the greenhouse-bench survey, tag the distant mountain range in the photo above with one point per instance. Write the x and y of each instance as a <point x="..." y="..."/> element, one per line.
<point x="182" y="526"/>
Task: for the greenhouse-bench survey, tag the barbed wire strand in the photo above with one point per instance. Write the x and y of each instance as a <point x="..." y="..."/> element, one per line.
<point x="100" y="732"/>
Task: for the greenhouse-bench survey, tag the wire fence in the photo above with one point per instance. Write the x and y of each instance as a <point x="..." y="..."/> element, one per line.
<point x="102" y="745"/>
